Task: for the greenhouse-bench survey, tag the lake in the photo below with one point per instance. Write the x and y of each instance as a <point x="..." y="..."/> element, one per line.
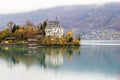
<point x="100" y="42"/>
<point x="90" y="62"/>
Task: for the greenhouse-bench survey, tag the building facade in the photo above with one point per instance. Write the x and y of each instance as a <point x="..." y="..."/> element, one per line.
<point x="54" y="29"/>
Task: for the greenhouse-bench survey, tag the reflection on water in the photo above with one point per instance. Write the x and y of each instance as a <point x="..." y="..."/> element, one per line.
<point x="95" y="62"/>
<point x="48" y="57"/>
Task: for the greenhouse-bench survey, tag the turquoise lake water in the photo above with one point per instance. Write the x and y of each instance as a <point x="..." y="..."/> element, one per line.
<point x="90" y="62"/>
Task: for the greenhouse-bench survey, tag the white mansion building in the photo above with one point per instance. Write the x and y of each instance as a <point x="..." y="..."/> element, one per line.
<point x="54" y="29"/>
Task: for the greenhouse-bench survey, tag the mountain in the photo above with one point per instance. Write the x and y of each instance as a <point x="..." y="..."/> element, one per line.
<point x="91" y="21"/>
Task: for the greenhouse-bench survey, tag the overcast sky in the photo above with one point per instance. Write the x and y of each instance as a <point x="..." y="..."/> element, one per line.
<point x="15" y="6"/>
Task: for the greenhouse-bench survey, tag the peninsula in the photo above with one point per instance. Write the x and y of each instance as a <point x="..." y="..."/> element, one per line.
<point x="48" y="33"/>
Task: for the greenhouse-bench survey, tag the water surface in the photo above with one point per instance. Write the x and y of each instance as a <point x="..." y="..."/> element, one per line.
<point x="60" y="63"/>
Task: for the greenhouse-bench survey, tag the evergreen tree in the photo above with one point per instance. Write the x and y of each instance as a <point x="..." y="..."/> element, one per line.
<point x="15" y="27"/>
<point x="44" y="24"/>
<point x="41" y="27"/>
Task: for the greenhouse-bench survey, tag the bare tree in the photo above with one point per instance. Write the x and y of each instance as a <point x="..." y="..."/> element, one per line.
<point x="29" y="23"/>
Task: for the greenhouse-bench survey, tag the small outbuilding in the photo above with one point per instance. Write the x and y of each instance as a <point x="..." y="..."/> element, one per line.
<point x="32" y="42"/>
<point x="10" y="40"/>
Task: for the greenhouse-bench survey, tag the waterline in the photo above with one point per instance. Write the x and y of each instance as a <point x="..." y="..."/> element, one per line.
<point x="100" y="42"/>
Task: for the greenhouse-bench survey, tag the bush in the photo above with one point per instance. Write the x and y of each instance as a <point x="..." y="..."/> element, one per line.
<point x="70" y="39"/>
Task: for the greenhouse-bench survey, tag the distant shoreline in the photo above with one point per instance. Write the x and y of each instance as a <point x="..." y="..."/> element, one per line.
<point x="100" y="42"/>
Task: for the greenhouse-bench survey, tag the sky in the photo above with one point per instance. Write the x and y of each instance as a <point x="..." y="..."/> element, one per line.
<point x="16" y="6"/>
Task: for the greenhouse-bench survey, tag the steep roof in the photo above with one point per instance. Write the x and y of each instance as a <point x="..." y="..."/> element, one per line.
<point x="52" y="24"/>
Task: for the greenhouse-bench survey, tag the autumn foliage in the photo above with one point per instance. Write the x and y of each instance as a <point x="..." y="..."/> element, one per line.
<point x="30" y="31"/>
